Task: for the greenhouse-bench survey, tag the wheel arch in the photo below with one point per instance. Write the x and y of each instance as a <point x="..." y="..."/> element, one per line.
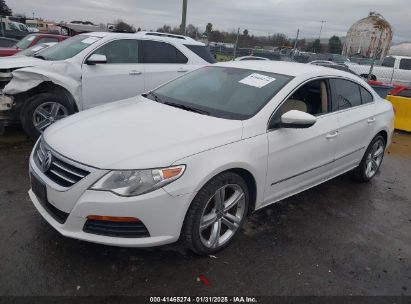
<point x="384" y="134"/>
<point x="47" y="87"/>
<point x="248" y="177"/>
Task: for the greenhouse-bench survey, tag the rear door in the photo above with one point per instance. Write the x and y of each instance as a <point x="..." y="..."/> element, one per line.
<point x="120" y="78"/>
<point x="162" y="63"/>
<point x="355" y="108"/>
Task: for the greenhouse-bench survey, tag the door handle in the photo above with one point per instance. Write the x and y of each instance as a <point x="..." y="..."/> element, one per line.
<point x="134" y="72"/>
<point x="371" y="120"/>
<point x="332" y="135"/>
<point x="182" y="71"/>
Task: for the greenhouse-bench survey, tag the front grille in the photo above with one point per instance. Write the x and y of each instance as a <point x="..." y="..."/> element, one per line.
<point x="59" y="171"/>
<point x="116" y="229"/>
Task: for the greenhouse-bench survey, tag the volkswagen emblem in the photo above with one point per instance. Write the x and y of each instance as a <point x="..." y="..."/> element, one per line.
<point x="47" y="160"/>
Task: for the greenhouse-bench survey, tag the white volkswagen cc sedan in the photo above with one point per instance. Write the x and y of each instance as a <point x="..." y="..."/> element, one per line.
<point x="189" y="160"/>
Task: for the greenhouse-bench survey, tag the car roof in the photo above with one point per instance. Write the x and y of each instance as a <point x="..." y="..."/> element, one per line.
<point x="176" y="39"/>
<point x="287" y="68"/>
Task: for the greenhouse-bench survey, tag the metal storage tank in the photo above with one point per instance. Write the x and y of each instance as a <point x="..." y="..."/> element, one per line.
<point x="364" y="36"/>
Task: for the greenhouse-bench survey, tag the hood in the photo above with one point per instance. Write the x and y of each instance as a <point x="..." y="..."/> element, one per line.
<point x="138" y="133"/>
<point x="16" y="62"/>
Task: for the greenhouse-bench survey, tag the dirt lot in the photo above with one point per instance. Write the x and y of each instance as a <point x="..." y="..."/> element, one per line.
<point x="340" y="238"/>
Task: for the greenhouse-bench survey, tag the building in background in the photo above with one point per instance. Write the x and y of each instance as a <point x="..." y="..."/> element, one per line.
<point x="72" y="29"/>
<point x="40" y="24"/>
<point x="367" y="36"/>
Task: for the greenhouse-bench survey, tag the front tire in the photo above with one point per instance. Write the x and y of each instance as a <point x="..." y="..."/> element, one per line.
<point x="371" y="161"/>
<point x="216" y="214"/>
<point x="42" y="110"/>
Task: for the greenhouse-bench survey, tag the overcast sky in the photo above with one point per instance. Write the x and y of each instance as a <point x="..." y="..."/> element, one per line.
<point x="260" y="17"/>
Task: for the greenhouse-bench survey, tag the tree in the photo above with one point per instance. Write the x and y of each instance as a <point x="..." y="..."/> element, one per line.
<point x="4" y="9"/>
<point x="122" y="26"/>
<point x="245" y="32"/>
<point x="335" y="45"/>
<point x="209" y="29"/>
<point x="164" y="29"/>
<point x="192" y="31"/>
<point x="317" y="46"/>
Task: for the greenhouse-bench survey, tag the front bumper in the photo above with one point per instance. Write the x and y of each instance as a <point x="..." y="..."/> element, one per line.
<point x="162" y="214"/>
<point x="6" y="105"/>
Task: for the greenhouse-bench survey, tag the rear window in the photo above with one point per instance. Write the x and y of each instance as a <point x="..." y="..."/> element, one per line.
<point x="405" y="64"/>
<point x="366" y="96"/>
<point x="388" y="62"/>
<point x="201" y="51"/>
<point x="346" y="94"/>
<point x="161" y="52"/>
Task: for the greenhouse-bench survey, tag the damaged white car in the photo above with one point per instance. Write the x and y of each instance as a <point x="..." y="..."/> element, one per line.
<point x="93" y="69"/>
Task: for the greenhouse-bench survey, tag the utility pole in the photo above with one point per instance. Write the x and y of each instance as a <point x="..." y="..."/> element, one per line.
<point x="236" y="44"/>
<point x="321" y="29"/>
<point x="296" y="42"/>
<point x="184" y="18"/>
<point x="374" y="57"/>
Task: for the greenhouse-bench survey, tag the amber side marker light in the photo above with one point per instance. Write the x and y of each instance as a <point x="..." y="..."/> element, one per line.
<point x="171" y="172"/>
<point x="112" y="218"/>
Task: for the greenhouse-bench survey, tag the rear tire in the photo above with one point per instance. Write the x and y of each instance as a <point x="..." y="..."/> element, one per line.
<point x="371" y="161"/>
<point x="216" y="214"/>
<point x="42" y="110"/>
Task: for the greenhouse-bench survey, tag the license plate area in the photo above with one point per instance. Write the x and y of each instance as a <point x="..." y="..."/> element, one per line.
<point x="39" y="189"/>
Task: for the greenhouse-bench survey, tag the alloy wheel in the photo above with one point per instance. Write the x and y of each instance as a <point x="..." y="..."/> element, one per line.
<point x="374" y="158"/>
<point x="47" y="113"/>
<point x="222" y="216"/>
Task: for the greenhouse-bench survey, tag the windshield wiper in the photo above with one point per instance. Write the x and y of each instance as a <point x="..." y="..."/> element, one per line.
<point x="40" y="57"/>
<point x="155" y="96"/>
<point x="176" y="105"/>
<point x="187" y="108"/>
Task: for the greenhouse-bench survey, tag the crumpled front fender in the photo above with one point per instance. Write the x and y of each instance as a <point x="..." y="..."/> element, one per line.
<point x="64" y="74"/>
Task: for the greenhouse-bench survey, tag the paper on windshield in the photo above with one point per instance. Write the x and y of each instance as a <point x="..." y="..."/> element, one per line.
<point x="90" y="40"/>
<point x="257" y="80"/>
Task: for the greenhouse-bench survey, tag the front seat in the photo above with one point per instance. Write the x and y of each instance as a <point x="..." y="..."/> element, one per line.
<point x="293" y="104"/>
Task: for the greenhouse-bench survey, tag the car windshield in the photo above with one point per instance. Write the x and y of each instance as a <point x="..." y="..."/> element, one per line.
<point x="68" y="48"/>
<point x="224" y="92"/>
<point x="25" y="42"/>
<point x="33" y="50"/>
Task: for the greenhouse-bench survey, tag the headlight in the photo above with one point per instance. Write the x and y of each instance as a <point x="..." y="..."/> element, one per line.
<point x="137" y="182"/>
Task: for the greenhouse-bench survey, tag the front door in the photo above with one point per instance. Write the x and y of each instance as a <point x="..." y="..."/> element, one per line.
<point x="301" y="158"/>
<point x="120" y="78"/>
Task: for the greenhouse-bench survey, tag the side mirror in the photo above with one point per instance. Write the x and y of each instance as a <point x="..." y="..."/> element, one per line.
<point x="297" y="120"/>
<point x="96" y="59"/>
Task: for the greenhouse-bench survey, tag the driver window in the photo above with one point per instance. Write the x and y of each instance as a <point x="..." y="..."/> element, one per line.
<point x="311" y="98"/>
<point x="120" y="51"/>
